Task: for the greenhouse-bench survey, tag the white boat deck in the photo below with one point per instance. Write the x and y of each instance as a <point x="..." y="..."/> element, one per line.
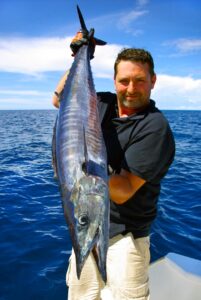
<point x="175" y="277"/>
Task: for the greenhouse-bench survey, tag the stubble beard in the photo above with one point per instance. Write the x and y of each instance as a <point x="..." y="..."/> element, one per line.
<point x="137" y="102"/>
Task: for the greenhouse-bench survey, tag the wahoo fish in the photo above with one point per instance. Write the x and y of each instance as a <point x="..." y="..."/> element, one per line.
<point x="80" y="160"/>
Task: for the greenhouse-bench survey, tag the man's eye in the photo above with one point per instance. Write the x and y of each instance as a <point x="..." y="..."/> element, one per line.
<point x="140" y="80"/>
<point x="124" y="82"/>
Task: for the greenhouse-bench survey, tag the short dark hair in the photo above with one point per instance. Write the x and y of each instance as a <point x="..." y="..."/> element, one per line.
<point x="135" y="54"/>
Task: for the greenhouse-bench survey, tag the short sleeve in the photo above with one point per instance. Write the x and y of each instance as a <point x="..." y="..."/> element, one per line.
<point x="150" y="150"/>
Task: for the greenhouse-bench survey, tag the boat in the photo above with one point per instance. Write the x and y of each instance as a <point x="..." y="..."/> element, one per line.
<point x="175" y="277"/>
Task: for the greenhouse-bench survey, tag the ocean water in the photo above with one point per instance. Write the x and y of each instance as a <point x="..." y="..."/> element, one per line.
<point x="34" y="239"/>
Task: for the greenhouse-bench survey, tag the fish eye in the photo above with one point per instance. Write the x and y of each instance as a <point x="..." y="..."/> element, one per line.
<point x="84" y="167"/>
<point x="83" y="220"/>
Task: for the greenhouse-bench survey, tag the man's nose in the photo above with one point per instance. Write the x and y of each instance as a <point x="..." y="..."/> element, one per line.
<point x="131" y="87"/>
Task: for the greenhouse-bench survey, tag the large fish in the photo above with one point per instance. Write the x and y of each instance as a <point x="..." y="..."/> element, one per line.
<point x="80" y="160"/>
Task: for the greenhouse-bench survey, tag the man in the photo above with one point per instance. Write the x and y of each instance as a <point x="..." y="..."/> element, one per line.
<point x="140" y="149"/>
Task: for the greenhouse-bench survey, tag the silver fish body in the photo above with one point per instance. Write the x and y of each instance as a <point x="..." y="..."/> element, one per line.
<point x="81" y="165"/>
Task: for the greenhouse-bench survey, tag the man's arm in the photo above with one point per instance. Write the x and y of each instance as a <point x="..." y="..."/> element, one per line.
<point x="124" y="185"/>
<point x="58" y="90"/>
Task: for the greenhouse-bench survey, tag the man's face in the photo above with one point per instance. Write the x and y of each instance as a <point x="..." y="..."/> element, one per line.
<point x="133" y="84"/>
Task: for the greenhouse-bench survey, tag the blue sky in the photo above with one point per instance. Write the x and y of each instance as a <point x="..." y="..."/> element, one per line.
<point x="35" y="37"/>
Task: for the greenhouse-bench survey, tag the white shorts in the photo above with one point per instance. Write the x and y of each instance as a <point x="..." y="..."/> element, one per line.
<point x="127" y="272"/>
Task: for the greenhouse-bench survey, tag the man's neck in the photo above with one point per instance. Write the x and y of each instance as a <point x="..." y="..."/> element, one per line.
<point x="125" y="111"/>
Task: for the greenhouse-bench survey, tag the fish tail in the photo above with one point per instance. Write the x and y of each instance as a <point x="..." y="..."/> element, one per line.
<point x="88" y="34"/>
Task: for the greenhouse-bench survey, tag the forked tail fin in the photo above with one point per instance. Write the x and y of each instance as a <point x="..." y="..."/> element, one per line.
<point x="85" y="31"/>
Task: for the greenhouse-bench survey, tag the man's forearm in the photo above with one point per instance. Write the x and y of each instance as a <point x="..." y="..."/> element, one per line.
<point x="58" y="90"/>
<point x="123" y="186"/>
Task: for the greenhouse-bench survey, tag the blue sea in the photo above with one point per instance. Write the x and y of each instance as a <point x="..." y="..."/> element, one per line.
<point x="34" y="239"/>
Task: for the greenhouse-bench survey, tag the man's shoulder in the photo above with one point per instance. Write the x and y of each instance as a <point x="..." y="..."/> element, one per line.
<point x="107" y="97"/>
<point x="156" y="116"/>
<point x="106" y="106"/>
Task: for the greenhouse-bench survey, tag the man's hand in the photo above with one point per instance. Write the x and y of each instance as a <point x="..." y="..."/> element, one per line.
<point x="83" y="38"/>
<point x="77" y="42"/>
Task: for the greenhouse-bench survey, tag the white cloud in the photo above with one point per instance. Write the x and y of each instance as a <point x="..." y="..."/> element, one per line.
<point x="174" y="92"/>
<point x="130" y="17"/>
<point x="103" y="68"/>
<point x="34" y="55"/>
<point x="125" y="22"/>
<point x="126" y="19"/>
<point x="122" y="20"/>
<point x="185" y="45"/>
<point x="142" y="2"/>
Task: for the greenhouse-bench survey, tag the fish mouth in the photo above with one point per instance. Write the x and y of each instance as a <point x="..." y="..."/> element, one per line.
<point x="100" y="262"/>
<point x="98" y="251"/>
<point x="81" y="257"/>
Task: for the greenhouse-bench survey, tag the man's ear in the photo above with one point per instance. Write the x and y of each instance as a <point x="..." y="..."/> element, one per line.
<point x="114" y="83"/>
<point x="153" y="81"/>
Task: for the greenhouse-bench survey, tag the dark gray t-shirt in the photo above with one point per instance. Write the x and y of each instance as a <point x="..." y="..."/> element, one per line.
<point x="143" y="144"/>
